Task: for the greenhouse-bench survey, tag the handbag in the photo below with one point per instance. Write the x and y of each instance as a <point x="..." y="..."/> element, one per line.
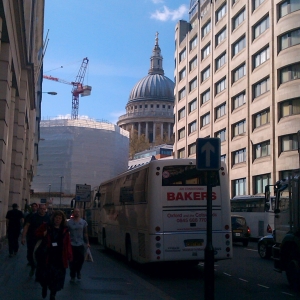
<point x="88" y="255"/>
<point x="40" y="251"/>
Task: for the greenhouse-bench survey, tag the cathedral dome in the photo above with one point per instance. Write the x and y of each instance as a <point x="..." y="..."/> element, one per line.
<point x="154" y="86"/>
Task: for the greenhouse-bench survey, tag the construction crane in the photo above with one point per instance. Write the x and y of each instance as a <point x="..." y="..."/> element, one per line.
<point x="78" y="87"/>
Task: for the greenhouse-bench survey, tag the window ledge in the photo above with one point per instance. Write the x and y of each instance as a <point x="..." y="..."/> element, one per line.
<point x="262" y="159"/>
<point x="239" y="165"/>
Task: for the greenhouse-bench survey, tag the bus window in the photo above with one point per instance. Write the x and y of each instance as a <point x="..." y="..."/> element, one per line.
<point x="187" y="175"/>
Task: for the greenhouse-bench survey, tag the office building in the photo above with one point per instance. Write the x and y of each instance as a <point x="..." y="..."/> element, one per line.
<point x="237" y="73"/>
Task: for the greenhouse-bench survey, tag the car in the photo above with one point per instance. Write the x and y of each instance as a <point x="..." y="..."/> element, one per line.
<point x="264" y="246"/>
<point x="240" y="230"/>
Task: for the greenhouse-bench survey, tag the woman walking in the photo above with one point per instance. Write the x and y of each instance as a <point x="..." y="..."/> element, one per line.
<point x="55" y="254"/>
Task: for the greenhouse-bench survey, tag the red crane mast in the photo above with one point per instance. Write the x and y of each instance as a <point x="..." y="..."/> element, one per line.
<point x="78" y="88"/>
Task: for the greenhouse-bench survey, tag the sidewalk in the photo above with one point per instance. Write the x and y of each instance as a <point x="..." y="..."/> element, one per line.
<point x="101" y="279"/>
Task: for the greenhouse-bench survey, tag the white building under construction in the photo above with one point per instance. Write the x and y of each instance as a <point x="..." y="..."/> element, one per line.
<point x="79" y="152"/>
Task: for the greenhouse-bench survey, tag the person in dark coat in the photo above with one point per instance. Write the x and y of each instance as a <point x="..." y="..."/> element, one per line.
<point x="54" y="254"/>
<point x="14" y="222"/>
<point x="31" y="225"/>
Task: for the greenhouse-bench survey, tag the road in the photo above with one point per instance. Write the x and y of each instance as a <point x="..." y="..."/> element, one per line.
<point x="109" y="277"/>
<point x="246" y="276"/>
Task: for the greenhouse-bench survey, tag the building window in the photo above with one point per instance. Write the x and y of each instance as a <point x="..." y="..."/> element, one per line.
<point x="261" y="57"/>
<point x="261" y="87"/>
<point x="192" y="105"/>
<point x="205" y="74"/>
<point x="192" y="149"/>
<point x="239" y="128"/>
<point x="290" y="73"/>
<point x="220" y="86"/>
<point x="193" y="84"/>
<point x="238" y="46"/>
<point x="182" y="74"/>
<point x="220" y="61"/>
<point x="223" y="158"/>
<point x="262" y="149"/>
<point x="289" y="39"/>
<point x="260" y="182"/>
<point x="261" y="118"/>
<point x="135" y="107"/>
<point x="221" y="111"/>
<point x="239" y="187"/>
<point x="157" y="105"/>
<point x="221" y="12"/>
<point x="205" y="29"/>
<point x="285" y="174"/>
<point x="205" y="119"/>
<point x="205" y="51"/>
<point x="146" y="106"/>
<point x="220" y="36"/>
<point x="181" y="153"/>
<point x="261" y="27"/>
<point x="288" y="142"/>
<point x="193" y="63"/>
<point x="193" y="43"/>
<point x="182" y="55"/>
<point x="256" y="3"/>
<point x="169" y="106"/>
<point x="238" y="73"/>
<point x="192" y="127"/>
<point x="182" y="94"/>
<point x="238" y="19"/>
<point x="239" y="100"/>
<point x="290" y="107"/>
<point x="221" y="135"/>
<point x="288" y="7"/>
<point x="239" y="156"/>
<point x="205" y="96"/>
<point x="181" y="133"/>
<point x="181" y="113"/>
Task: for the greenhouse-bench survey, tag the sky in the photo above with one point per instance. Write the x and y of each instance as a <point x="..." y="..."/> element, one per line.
<point x="117" y="36"/>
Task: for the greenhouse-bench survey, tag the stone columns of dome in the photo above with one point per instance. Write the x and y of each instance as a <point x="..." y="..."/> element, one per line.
<point x="139" y="129"/>
<point x="154" y="134"/>
<point x="162" y="130"/>
<point x="146" y="131"/>
<point x="132" y="130"/>
<point x="169" y="131"/>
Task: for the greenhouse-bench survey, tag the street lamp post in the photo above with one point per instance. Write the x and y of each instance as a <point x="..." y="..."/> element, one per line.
<point x="61" y="178"/>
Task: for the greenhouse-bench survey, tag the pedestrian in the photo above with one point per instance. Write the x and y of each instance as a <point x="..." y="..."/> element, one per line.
<point x="79" y="236"/>
<point x="30" y="245"/>
<point x="51" y="267"/>
<point x="14" y="223"/>
<point x="32" y="224"/>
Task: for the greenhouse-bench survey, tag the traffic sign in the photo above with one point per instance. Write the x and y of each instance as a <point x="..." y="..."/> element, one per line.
<point x="208" y="153"/>
<point x="83" y="193"/>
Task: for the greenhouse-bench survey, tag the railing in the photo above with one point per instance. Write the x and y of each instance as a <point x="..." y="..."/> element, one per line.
<point x="146" y="114"/>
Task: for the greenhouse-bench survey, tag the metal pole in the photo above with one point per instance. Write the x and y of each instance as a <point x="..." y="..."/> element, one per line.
<point x="61" y="177"/>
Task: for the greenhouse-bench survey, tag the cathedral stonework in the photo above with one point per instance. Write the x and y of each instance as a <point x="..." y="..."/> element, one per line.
<point x="149" y="110"/>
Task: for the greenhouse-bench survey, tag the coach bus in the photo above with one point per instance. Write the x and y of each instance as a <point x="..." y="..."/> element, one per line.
<point x="258" y="213"/>
<point x="157" y="212"/>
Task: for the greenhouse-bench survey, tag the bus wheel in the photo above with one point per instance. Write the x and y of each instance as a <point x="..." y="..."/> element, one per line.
<point x="128" y="251"/>
<point x="104" y="240"/>
<point x="293" y="274"/>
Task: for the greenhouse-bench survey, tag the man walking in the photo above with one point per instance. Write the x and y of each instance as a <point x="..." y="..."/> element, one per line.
<point x="30" y="227"/>
<point x="33" y="210"/>
<point x="79" y="236"/>
<point x="14" y="222"/>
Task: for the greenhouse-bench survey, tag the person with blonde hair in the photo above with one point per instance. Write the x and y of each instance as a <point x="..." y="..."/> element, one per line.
<point x="55" y="254"/>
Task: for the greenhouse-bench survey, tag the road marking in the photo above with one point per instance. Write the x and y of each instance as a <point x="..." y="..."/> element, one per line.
<point x="243" y="279"/>
<point x="227" y="274"/>
<point x="287" y="294"/>
<point x="251" y="249"/>
<point x="266" y="287"/>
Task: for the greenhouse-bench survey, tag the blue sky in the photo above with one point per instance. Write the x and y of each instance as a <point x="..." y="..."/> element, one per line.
<point x="117" y="36"/>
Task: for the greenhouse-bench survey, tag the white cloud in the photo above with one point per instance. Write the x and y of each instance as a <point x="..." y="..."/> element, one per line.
<point x="167" y="14"/>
